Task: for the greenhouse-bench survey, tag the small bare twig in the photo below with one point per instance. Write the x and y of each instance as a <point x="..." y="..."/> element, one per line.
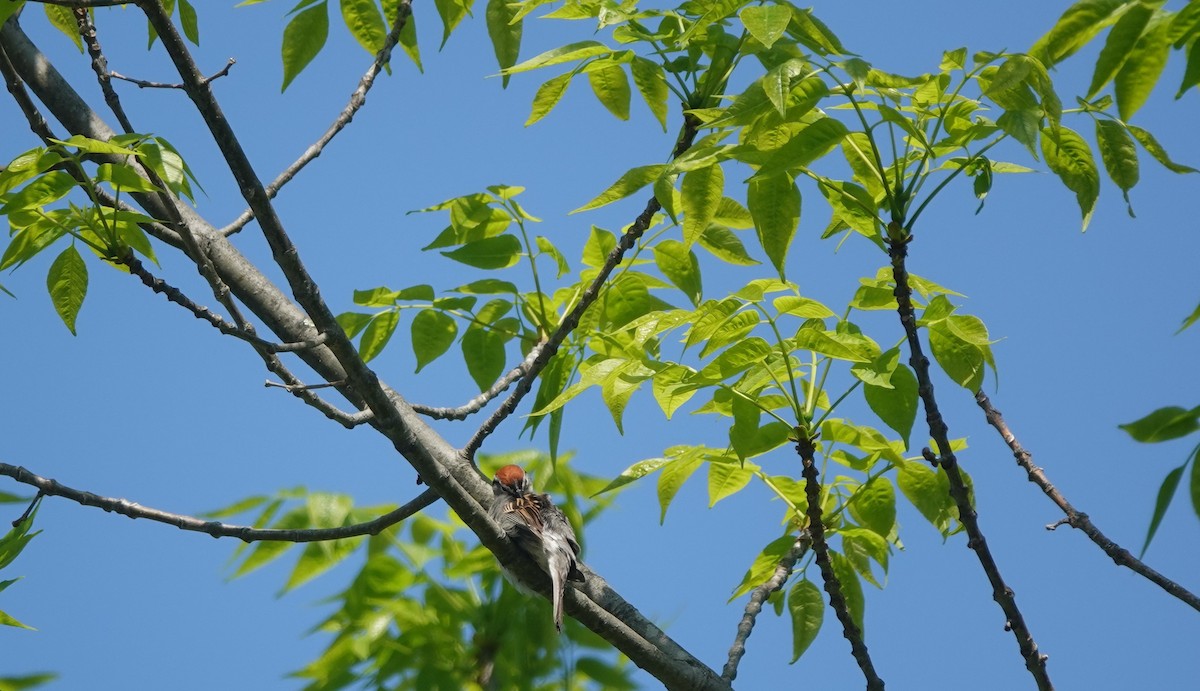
<point x="816" y="530"/>
<point x="357" y="99"/>
<point x="53" y="488"/>
<point x="1075" y="518"/>
<point x="177" y="296"/>
<point x="146" y="84"/>
<point x="1035" y="662"/>
<point x="757" y="597"/>
<point x="476" y="404"/>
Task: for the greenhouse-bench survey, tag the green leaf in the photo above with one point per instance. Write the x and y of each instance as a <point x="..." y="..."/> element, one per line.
<point x="67" y="282"/>
<point x="433" y="332"/>
<point x="1075" y="28"/>
<point x="735" y="359"/>
<point x="365" y="23"/>
<point x="597" y="248"/>
<point x="723" y="244"/>
<point x="483" y="351"/>
<point x="1171" y="422"/>
<point x="1190" y="319"/>
<point x="1165" y="493"/>
<point x="726" y="478"/>
<point x="929" y="492"/>
<point x="874" y="506"/>
<point x="1139" y="74"/>
<point x="49" y="188"/>
<point x="680" y="266"/>
<point x="27" y="681"/>
<point x="573" y="51"/>
<point x="774" y="203"/>
<point x="963" y="361"/>
<point x="852" y="205"/>
<point x="1070" y="158"/>
<point x="63" y="19"/>
<point x="8" y="9"/>
<point x="1119" y="44"/>
<point x="767" y="23"/>
<point x="805" y="308"/>
<point x="303" y="38"/>
<point x="1119" y="154"/>
<point x="672" y="477"/>
<point x="505" y="34"/>
<point x="317" y="558"/>
<point x="353" y="322"/>
<point x="548" y="95"/>
<point x="123" y="177"/>
<point x="189" y="22"/>
<point x="702" y="190"/>
<point x="896" y="406"/>
<point x="631" y="181"/>
<point x="499" y="252"/>
<point x="377" y="334"/>
<point x="408" y="41"/>
<point x="806" y="146"/>
<point x="451" y="13"/>
<point x="651" y="83"/>
<point x="852" y="590"/>
<point x="1191" y="73"/>
<point x="1151" y="145"/>
<point x="1194" y="483"/>
<point x="807" y="609"/>
<point x="611" y="86"/>
<point x="633" y="473"/>
<point x="813" y="33"/>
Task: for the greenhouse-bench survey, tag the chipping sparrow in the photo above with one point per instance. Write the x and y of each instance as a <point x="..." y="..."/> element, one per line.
<point x="539" y="528"/>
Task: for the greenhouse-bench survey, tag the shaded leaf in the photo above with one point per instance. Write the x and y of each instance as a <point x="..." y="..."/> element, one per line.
<point x="807" y="609"/>
<point x="303" y="38"/>
<point x="433" y="333"/>
<point x="1163" y="424"/>
<point x="1165" y="493"/>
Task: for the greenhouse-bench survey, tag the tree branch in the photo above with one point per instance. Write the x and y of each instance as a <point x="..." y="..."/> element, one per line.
<point x="453" y="477"/>
<point x="1077" y="519"/>
<point x="1035" y="662"/>
<point x="146" y="84"/>
<point x="53" y="488"/>
<point x="476" y="404"/>
<point x="816" y="530"/>
<point x="757" y="597"/>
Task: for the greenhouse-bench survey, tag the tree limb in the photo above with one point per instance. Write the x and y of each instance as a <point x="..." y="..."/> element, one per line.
<point x="757" y="597"/>
<point x="1035" y="662"/>
<point x="453" y="477"/>
<point x="1075" y="518"/>
<point x="53" y="488"/>
<point x="816" y="530"/>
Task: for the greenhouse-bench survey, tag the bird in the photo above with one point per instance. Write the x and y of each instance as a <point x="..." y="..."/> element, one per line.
<point x="539" y="528"/>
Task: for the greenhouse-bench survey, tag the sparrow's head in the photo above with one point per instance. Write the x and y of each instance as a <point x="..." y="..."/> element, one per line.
<point x="512" y="480"/>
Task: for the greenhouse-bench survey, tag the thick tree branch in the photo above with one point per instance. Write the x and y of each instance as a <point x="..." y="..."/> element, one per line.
<point x="438" y="463"/>
<point x="53" y="488"/>
<point x="757" y="597"/>
<point x="1075" y="518"/>
<point x="1035" y="662"/>
<point x="816" y="530"/>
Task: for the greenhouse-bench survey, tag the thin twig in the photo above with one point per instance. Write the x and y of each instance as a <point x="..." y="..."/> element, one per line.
<point x="757" y="597"/>
<point x="568" y="324"/>
<point x="816" y="530"/>
<point x="357" y="99"/>
<point x="53" y="488"/>
<point x="1075" y="518"/>
<point x="1035" y="662"/>
<point x="146" y="84"/>
<point x="476" y="404"/>
<point x="175" y="295"/>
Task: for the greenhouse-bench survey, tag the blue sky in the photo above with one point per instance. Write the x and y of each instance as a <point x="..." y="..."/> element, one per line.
<point x="149" y="404"/>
